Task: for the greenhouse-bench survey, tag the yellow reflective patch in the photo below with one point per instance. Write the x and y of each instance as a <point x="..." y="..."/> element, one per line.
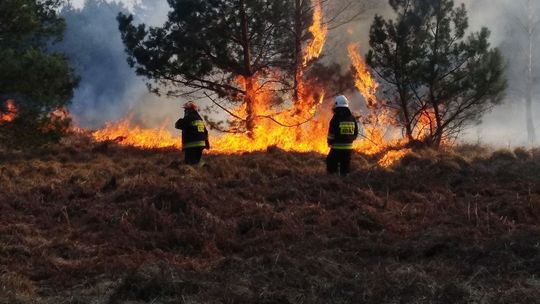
<point x="347" y="128"/>
<point x="200" y="125"/>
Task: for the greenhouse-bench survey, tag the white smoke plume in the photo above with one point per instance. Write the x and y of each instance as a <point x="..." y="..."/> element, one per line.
<point x="109" y="89"/>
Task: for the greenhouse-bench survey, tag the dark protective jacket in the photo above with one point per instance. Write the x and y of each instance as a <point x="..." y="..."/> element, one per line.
<point x="194" y="132"/>
<point x="343" y="130"/>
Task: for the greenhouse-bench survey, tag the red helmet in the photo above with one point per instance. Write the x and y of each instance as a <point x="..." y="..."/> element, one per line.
<point x="190" y="106"/>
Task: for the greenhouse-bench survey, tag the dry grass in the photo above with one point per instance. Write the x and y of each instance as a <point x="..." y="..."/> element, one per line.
<point x="95" y="223"/>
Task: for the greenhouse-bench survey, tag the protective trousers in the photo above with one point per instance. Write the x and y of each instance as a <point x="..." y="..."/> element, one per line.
<point x="193" y="155"/>
<point x="339" y="161"/>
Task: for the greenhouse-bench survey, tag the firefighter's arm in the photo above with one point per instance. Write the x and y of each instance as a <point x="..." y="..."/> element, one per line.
<point x="180" y="124"/>
<point x="356" y="130"/>
<point x="332" y="132"/>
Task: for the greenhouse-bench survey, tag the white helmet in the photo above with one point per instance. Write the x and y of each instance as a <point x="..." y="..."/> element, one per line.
<point x="341" y="102"/>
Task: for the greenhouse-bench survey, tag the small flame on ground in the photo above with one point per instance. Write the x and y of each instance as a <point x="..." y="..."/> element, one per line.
<point x="11" y="112"/>
<point x="392" y="156"/>
<point x="126" y="134"/>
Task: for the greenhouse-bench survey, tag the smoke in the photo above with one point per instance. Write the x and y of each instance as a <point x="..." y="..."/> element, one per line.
<point x="506" y="126"/>
<point x="109" y="88"/>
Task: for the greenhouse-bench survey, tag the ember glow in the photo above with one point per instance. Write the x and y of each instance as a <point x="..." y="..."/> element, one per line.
<point x="11" y="112"/>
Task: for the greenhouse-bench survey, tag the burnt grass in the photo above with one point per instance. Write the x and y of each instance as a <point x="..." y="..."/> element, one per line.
<point x="97" y="223"/>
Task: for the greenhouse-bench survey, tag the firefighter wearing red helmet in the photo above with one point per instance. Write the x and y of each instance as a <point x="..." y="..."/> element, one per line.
<point x="341" y="135"/>
<point x="194" y="134"/>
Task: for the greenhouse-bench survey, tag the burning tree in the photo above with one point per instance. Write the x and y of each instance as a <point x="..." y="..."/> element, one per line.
<point x="33" y="82"/>
<point x="438" y="80"/>
<point x="245" y="56"/>
<point x="222" y="47"/>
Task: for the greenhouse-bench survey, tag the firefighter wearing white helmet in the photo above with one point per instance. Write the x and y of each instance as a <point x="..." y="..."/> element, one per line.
<point x="194" y="134"/>
<point x="341" y="102"/>
<point x="342" y="132"/>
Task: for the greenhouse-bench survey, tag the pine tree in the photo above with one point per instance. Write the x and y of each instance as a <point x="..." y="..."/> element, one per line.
<point x="439" y="79"/>
<point x="34" y="79"/>
<point x="218" y="46"/>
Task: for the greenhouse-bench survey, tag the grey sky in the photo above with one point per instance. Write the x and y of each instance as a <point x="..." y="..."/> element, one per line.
<point x="79" y="3"/>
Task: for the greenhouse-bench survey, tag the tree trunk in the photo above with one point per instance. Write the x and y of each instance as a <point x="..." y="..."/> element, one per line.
<point x="249" y="97"/>
<point x="437" y="136"/>
<point x="298" y="60"/>
<point x="406" y="115"/>
<point x="250" y="100"/>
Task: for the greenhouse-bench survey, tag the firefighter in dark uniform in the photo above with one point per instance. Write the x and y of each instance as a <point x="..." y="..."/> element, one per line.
<point x="341" y="135"/>
<point x="194" y="134"/>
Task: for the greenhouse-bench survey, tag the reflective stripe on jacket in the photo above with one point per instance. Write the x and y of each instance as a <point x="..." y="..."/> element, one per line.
<point x="195" y="144"/>
<point x="343" y="130"/>
<point x="194" y="132"/>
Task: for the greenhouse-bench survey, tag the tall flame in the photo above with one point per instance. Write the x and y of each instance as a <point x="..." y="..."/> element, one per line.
<point x="364" y="82"/>
<point x="378" y="120"/>
<point x="294" y="126"/>
<point x="11" y="112"/>
<point x="319" y="32"/>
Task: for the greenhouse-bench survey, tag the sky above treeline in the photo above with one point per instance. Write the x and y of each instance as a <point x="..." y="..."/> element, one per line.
<point x="80" y="3"/>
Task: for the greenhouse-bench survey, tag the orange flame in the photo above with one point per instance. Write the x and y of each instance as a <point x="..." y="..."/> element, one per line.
<point x="364" y="81"/>
<point x="298" y="125"/>
<point x="292" y="126"/>
<point x="126" y="134"/>
<point x="393" y="156"/>
<point x="11" y="112"/>
<point x="319" y="32"/>
<point x="425" y="125"/>
<point x="378" y="120"/>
